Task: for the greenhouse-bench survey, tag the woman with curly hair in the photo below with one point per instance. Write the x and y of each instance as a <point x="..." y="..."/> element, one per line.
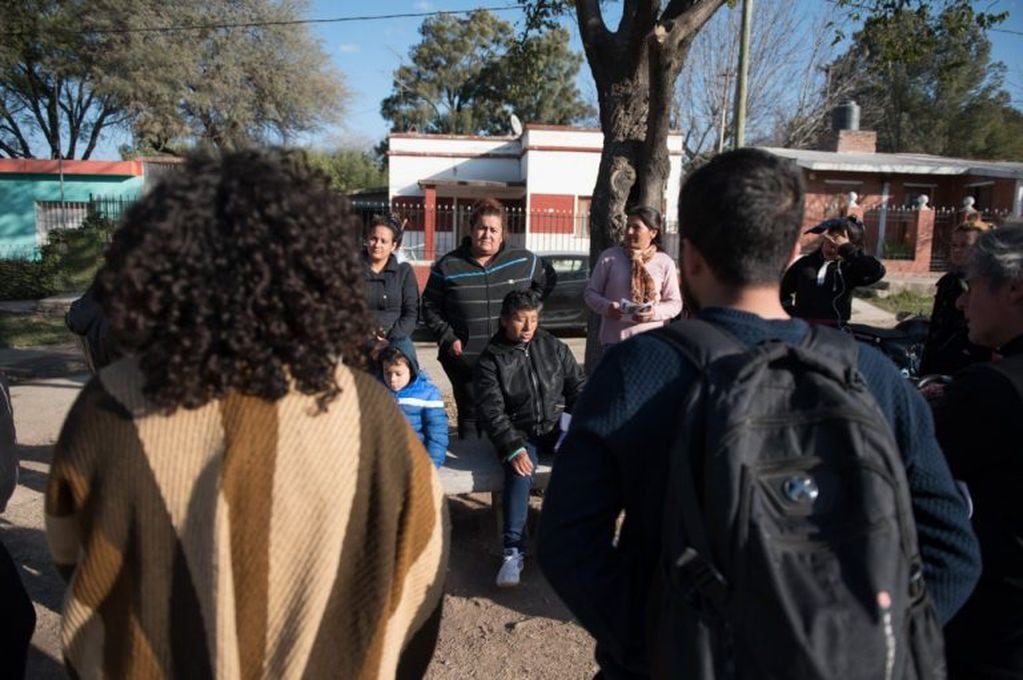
<point x="232" y="498"/>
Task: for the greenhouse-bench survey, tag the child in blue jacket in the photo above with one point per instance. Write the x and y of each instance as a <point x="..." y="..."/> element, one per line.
<point x="419" y="399"/>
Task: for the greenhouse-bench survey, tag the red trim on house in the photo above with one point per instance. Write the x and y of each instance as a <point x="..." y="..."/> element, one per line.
<point x="560" y="128"/>
<point x="578" y="149"/>
<point x="426" y="135"/>
<point x="450" y="154"/>
<point x="41" y="166"/>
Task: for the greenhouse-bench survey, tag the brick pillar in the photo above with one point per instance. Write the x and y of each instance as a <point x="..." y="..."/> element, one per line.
<point x="924" y="236"/>
<point x="430" y="224"/>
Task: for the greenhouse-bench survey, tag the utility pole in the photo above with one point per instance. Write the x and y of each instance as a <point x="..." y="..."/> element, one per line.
<point x="743" y="77"/>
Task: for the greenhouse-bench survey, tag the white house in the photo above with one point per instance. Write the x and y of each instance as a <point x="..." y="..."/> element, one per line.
<point x="545" y="178"/>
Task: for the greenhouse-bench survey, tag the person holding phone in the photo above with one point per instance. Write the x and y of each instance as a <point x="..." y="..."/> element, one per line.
<point x="634" y="287"/>
<point x="818" y="287"/>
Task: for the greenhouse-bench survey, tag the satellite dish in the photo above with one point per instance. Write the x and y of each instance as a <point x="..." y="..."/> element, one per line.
<point x="516" y="125"/>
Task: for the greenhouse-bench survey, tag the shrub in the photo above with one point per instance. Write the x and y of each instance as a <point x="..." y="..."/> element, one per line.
<point x="67" y="263"/>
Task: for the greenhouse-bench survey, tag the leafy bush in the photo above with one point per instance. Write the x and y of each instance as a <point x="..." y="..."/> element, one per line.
<point x="67" y="263"/>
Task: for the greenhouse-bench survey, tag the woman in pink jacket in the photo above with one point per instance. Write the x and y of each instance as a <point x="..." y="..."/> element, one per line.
<point x="634" y="286"/>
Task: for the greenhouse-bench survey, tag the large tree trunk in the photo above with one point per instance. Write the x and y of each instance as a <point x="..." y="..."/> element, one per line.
<point x="635" y="69"/>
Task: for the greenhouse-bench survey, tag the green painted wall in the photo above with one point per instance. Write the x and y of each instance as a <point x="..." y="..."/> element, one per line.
<point x="19" y="193"/>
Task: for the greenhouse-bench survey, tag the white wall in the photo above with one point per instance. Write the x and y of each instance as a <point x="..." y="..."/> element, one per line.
<point x="416" y="157"/>
<point x="551" y="159"/>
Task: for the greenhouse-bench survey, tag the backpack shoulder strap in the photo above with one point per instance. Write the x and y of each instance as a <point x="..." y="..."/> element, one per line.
<point x="701" y="342"/>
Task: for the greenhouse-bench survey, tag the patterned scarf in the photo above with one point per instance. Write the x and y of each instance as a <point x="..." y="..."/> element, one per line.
<point x="643" y="287"/>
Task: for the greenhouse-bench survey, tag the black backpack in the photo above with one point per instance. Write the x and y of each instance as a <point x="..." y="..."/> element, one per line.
<point x="789" y="546"/>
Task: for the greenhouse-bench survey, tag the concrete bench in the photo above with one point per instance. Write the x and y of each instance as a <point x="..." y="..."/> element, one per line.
<point x="472" y="467"/>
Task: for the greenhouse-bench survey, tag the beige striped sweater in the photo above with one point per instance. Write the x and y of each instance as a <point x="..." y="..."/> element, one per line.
<point x="243" y="539"/>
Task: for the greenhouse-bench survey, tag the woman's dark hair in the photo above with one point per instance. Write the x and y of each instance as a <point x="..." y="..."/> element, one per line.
<point x="389" y="221"/>
<point x="237" y="273"/>
<point x="519" y="301"/>
<point x="484" y="207"/>
<point x="651" y="217"/>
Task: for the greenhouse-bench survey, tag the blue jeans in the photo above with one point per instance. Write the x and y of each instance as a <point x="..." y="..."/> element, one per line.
<point x="515" y="502"/>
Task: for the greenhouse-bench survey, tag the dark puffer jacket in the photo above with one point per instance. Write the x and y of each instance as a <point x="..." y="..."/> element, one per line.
<point x="393" y="298"/>
<point x="522" y="388"/>
<point x="462" y="300"/>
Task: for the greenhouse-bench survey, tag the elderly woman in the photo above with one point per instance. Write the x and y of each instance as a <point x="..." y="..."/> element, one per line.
<point x="634" y="286"/>
<point x="232" y="498"/>
<point x="462" y="300"/>
<point x="979" y="428"/>
<point x="391" y="288"/>
<point x="947" y="349"/>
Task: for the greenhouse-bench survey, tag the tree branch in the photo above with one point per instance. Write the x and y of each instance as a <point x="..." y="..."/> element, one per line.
<point x="592" y="28"/>
<point x="685" y="18"/>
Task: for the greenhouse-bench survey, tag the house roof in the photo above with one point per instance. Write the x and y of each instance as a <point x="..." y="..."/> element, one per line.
<point x="448" y="183"/>
<point x="898" y="163"/>
<point x="41" y="166"/>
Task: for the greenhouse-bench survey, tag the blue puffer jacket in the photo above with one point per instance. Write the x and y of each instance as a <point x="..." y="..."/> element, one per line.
<point x="423" y="406"/>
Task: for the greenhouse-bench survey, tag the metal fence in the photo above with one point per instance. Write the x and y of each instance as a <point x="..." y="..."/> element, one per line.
<point x="541" y="231"/>
<point x="51" y="215"/>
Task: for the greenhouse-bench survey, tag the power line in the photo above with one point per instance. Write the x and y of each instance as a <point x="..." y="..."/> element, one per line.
<point x="287" y="22"/>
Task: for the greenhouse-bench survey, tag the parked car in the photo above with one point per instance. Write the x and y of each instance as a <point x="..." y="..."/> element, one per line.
<point x="564" y="308"/>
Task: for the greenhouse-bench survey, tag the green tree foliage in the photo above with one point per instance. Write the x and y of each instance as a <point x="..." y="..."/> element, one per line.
<point x="71" y="69"/>
<point x="349" y="169"/>
<point x="467" y="73"/>
<point x="942" y="95"/>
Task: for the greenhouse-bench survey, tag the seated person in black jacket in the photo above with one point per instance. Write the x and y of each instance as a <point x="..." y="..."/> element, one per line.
<point x="818" y="287"/>
<point x="980" y="430"/>
<point x="524" y="381"/>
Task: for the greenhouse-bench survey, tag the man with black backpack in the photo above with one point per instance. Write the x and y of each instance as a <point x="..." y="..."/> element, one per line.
<point x="788" y="513"/>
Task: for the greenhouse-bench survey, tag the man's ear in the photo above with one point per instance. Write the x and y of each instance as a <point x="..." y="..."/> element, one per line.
<point x="794" y="255"/>
<point x="693" y="263"/>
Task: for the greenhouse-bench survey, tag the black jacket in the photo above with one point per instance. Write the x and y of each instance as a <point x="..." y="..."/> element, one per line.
<point x="521" y="389"/>
<point x="393" y="298"/>
<point x="979" y="424"/>
<point x="831" y="300"/>
<point x="948" y="349"/>
<point x="86" y="318"/>
<point x="462" y="300"/>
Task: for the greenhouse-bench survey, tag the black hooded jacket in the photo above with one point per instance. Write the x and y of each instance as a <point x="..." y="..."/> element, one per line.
<point x="522" y="388"/>
<point x="830" y="300"/>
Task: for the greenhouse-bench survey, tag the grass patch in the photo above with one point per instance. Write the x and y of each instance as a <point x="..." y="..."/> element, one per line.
<point x="905" y="302"/>
<point x="32" y="330"/>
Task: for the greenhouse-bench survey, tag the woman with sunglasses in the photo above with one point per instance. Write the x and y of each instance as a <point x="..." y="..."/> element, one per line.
<point x="392" y="293"/>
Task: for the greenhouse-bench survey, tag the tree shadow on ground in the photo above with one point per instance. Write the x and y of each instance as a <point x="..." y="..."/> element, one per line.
<point x="476" y="557"/>
<point x="32" y="556"/>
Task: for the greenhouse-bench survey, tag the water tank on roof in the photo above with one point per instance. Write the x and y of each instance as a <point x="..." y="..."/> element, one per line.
<point x="846" y="116"/>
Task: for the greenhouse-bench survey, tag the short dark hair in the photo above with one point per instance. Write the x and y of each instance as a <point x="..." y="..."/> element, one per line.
<point x="393" y="355"/>
<point x="389" y="221"/>
<point x="484" y="207"/>
<point x="743" y="211"/>
<point x="651" y="217"/>
<point x="519" y="301"/>
<point x="239" y="273"/>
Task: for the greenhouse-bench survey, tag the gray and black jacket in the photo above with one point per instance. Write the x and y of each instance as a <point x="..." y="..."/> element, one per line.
<point x="462" y="300"/>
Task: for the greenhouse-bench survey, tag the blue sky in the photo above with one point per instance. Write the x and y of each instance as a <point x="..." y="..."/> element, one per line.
<point x="367" y="52"/>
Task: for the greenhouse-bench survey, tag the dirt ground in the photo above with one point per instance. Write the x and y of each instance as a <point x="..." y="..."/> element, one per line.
<point x="486" y="632"/>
